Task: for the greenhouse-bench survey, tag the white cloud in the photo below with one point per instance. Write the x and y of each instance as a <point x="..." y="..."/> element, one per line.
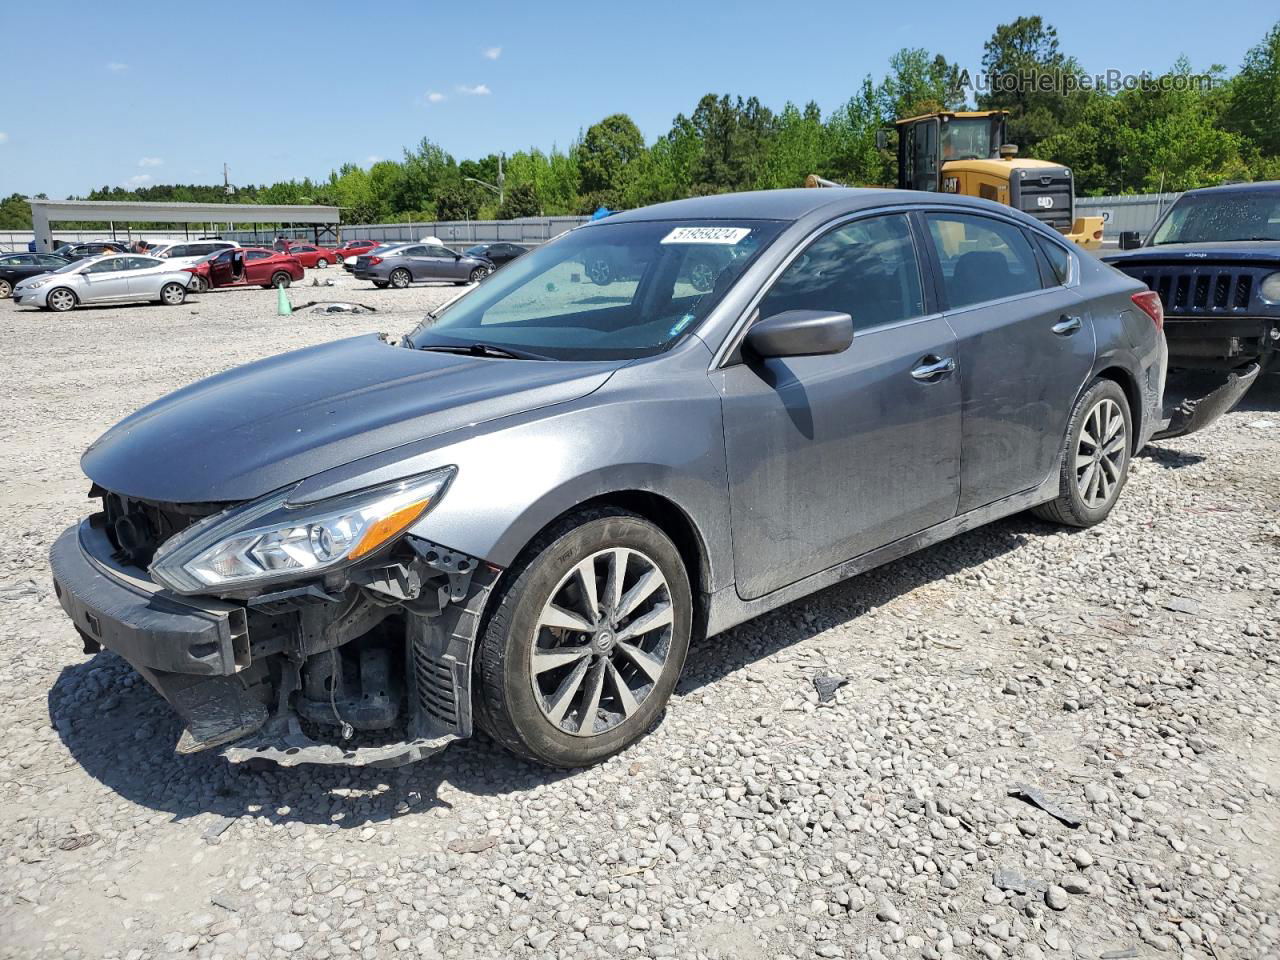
<point x="4" y="137"/>
<point x="492" y="53"/>
<point x="140" y="180"/>
<point x="151" y="162"/>
<point x="434" y="97"/>
<point x="372" y="158"/>
<point x="116" y="66"/>
<point x="479" y="90"/>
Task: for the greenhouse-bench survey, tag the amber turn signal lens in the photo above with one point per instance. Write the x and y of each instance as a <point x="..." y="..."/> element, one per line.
<point x="390" y="526"/>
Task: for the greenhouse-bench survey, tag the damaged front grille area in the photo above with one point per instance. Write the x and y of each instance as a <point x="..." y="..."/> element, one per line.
<point x="137" y="528"/>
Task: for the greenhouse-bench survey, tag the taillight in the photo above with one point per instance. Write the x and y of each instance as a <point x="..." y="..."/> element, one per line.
<point x="374" y="261"/>
<point x="1148" y="301"/>
<point x="1097" y="234"/>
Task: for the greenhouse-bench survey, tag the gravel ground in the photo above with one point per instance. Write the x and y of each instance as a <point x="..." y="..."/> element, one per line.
<point x="1127" y="673"/>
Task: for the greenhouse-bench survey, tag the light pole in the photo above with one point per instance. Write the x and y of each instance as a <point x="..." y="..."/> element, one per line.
<point x="489" y="186"/>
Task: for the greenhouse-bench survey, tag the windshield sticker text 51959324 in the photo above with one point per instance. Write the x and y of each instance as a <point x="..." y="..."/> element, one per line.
<point x="722" y="235"/>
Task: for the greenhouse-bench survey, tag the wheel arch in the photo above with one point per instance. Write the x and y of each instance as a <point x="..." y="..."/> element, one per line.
<point x="1129" y="384"/>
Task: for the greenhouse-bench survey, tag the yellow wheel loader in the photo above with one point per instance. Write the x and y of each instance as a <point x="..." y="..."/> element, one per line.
<point x="964" y="152"/>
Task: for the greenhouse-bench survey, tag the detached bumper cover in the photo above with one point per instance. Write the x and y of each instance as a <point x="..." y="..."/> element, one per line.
<point x="1191" y="415"/>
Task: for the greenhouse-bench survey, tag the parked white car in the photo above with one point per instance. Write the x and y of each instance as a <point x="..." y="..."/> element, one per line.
<point x="187" y="253"/>
<point x="112" y="279"/>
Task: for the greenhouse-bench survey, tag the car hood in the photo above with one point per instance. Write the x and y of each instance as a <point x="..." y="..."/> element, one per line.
<point x="257" y="428"/>
<point x="1234" y="251"/>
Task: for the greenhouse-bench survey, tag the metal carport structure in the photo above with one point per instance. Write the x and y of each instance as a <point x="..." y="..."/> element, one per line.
<point x="323" y="219"/>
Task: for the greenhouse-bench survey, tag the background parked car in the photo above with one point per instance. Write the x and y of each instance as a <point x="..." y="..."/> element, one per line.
<point x="20" y="266"/>
<point x="350" y="263"/>
<point x="499" y="254"/>
<point x="243" y="267"/>
<point x="188" y="254"/>
<point x="311" y="254"/>
<point x="404" y="265"/>
<point x="90" y="248"/>
<point x="109" y="279"/>
<point x="353" y="248"/>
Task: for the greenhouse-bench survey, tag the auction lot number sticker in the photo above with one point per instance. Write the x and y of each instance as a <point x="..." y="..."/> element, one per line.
<point x="721" y="235"/>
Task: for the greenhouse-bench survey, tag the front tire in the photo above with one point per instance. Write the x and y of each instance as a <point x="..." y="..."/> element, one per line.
<point x="478" y="274"/>
<point x="1095" y="458"/>
<point x="400" y="278"/>
<point x="321" y="263"/>
<point x="60" y="300"/>
<point x="586" y="641"/>
<point x="172" y="294"/>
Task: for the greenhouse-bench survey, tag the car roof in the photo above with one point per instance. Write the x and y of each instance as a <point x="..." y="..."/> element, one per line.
<point x="1262" y="186"/>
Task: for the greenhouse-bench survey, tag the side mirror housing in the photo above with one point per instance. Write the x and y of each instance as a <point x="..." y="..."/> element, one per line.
<point x="1129" y="240"/>
<point x="801" y="333"/>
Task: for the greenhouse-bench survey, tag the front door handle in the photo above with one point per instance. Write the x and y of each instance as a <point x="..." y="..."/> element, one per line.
<point x="933" y="368"/>
<point x="1066" y="325"/>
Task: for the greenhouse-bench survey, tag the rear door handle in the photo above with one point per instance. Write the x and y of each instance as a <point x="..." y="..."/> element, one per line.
<point x="933" y="368"/>
<point x="1066" y="325"/>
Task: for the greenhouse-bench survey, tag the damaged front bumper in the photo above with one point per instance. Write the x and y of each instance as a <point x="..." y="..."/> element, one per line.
<point x="378" y="674"/>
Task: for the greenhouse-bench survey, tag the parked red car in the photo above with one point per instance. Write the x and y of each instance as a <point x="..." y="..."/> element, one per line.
<point x="245" y="267"/>
<point x="310" y="254"/>
<point x="354" y="248"/>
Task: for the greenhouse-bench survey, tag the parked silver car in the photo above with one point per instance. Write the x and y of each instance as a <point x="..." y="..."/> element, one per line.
<point x="113" y="279"/>
<point x="402" y="266"/>
<point x="518" y="516"/>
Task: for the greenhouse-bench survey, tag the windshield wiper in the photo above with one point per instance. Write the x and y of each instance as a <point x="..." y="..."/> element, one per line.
<point x="483" y="350"/>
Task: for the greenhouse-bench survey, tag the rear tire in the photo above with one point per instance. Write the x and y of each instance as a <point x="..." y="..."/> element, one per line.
<point x="173" y="294"/>
<point x="60" y="299"/>
<point x="321" y="263"/>
<point x="281" y="279"/>
<point x="400" y="278"/>
<point x="198" y="284"/>
<point x="1095" y="458"/>
<point x="596" y="690"/>
<point x="6" y="289"/>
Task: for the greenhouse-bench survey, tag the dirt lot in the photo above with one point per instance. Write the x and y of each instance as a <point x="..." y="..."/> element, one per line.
<point x="1131" y="673"/>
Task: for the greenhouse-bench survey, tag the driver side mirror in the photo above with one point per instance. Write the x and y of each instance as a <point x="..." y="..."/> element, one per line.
<point x="801" y="333"/>
<point x="1129" y="240"/>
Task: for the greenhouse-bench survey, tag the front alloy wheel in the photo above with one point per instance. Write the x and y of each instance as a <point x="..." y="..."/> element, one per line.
<point x="585" y="640"/>
<point x="60" y="300"/>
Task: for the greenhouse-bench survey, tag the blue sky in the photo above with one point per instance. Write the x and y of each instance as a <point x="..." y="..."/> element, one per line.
<point x="110" y="93"/>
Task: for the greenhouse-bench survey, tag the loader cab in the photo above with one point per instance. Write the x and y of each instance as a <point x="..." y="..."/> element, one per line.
<point x="926" y="144"/>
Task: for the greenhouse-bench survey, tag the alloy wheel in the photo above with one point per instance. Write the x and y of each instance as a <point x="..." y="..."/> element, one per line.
<point x="400" y="279"/>
<point x="1100" y="453"/>
<point x="173" y="294"/>
<point x="6" y="290"/>
<point x="61" y="299"/>
<point x="602" y="641"/>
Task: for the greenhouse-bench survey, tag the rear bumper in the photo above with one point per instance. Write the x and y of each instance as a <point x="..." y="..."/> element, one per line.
<point x="151" y="628"/>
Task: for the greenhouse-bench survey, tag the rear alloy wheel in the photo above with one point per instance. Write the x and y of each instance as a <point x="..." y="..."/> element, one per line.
<point x="585" y="644"/>
<point x="321" y="263"/>
<point x="172" y="294"/>
<point x="599" y="271"/>
<point x="281" y="279"/>
<point x="6" y="289"/>
<point x="1095" y="459"/>
<point x="198" y="284"/>
<point x="339" y="258"/>
<point x="702" y="275"/>
<point x="478" y="274"/>
<point x="60" y="300"/>
<point x="400" y="278"/>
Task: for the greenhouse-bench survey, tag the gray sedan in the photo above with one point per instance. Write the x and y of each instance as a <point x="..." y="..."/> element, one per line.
<point x="402" y="265"/>
<point x="111" y="279"/>
<point x="519" y="515"/>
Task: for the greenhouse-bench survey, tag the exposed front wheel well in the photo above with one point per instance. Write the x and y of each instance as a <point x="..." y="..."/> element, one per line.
<point x="1137" y="410"/>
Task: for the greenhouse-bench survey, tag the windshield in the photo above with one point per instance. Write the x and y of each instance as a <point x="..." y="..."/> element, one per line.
<point x="75" y="265"/>
<point x="1218" y="217"/>
<point x="969" y="138"/>
<point x="612" y="291"/>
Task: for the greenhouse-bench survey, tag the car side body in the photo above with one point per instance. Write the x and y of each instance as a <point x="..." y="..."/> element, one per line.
<point x="875" y="371"/>
<point x="16" y="267"/>
<point x="115" y="278"/>
<point x="246" y="267"/>
<point x="310" y="255"/>
<point x="1214" y="259"/>
<point x="418" y="262"/>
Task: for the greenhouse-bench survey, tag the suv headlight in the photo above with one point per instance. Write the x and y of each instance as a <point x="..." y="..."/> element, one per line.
<point x="1269" y="289"/>
<point x="271" y="540"/>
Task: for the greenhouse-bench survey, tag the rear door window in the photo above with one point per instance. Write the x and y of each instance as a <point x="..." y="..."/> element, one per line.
<point x="1060" y="261"/>
<point x="982" y="259"/>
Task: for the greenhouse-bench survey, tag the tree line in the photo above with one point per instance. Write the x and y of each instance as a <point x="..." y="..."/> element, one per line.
<point x="1189" y="129"/>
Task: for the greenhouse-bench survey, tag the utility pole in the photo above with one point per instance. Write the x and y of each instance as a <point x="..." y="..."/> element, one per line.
<point x="501" y="178"/>
<point x="227" y="188"/>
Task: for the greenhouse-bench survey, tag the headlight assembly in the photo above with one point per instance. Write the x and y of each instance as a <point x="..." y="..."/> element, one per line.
<point x="1269" y="289"/>
<point x="270" y="540"/>
<point x="33" y="284"/>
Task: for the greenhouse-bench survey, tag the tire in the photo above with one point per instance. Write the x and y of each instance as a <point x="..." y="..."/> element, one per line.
<point x="1087" y="465"/>
<point x="380" y="284"/>
<point x="339" y="259"/>
<point x="198" y="284"/>
<point x="60" y="299"/>
<point x="702" y="275"/>
<point x="280" y="279"/>
<point x="6" y="289"/>
<point x="321" y="263"/>
<point x="400" y="278"/>
<point x="173" y="294"/>
<point x="599" y="271"/>
<point x="478" y="274"/>
<point x="540" y="716"/>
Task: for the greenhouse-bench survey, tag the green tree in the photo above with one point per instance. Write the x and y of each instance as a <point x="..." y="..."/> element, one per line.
<point x="1254" y="107"/>
<point x="918" y="83"/>
<point x="520" y="200"/>
<point x="606" y="150"/>
<point x="1020" y="52"/>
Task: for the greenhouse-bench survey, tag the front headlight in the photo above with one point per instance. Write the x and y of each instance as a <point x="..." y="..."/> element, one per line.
<point x="1269" y="289"/>
<point x="33" y="284"/>
<point x="270" y="540"/>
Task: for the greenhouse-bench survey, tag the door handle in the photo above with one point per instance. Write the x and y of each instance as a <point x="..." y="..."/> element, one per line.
<point x="1066" y="325"/>
<point x="933" y="368"/>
